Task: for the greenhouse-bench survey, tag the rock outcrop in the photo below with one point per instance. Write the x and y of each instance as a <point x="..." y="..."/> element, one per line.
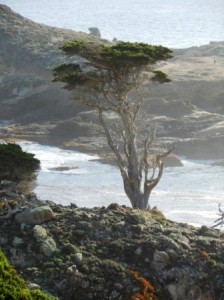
<point x="112" y="253"/>
<point x="189" y="110"/>
<point x="35" y="215"/>
<point x="28" y="53"/>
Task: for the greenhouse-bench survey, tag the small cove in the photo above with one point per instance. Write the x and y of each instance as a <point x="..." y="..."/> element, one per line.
<point x="188" y="194"/>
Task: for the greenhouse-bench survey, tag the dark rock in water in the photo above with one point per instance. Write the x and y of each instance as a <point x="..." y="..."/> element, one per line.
<point x="172" y="160"/>
<point x="63" y="168"/>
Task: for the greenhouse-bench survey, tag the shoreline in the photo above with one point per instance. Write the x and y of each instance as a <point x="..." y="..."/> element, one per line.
<point x="105" y="156"/>
<point x="177" y="185"/>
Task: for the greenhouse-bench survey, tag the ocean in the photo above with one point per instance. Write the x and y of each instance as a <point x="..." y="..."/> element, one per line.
<point x="172" y="23"/>
<point x="189" y="194"/>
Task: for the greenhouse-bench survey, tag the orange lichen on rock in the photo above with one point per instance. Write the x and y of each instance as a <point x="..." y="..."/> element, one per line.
<point x="147" y="290"/>
<point x="137" y="296"/>
<point x="203" y="255"/>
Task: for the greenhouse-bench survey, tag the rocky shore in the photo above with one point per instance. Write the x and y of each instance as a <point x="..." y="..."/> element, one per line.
<point x="110" y="252"/>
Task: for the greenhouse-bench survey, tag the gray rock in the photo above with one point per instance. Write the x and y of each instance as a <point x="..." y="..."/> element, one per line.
<point x="179" y="283"/>
<point x="33" y="286"/>
<point x="48" y="246"/>
<point x="78" y="256"/>
<point x="160" y="260"/>
<point x="39" y="232"/>
<point x="170" y="244"/>
<point x="95" y="31"/>
<point x="72" y="270"/>
<point x="47" y="243"/>
<point x="36" y="215"/>
<point x="17" y="241"/>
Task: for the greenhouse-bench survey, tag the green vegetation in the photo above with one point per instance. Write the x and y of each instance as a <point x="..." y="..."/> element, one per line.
<point x="135" y="53"/>
<point x="120" y="53"/>
<point x="125" y="58"/>
<point x="16" y="164"/>
<point x="13" y="287"/>
<point x="11" y="150"/>
<point x="160" y="77"/>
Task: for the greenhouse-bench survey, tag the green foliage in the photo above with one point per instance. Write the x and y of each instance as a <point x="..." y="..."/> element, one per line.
<point x="160" y="77"/>
<point x="135" y="53"/>
<point x="71" y="68"/>
<point x="13" y="158"/>
<point x="73" y="46"/>
<point x="86" y="49"/>
<point x="125" y="58"/>
<point x="13" y="287"/>
<point x="13" y="152"/>
<point x="69" y="73"/>
<point x="120" y="54"/>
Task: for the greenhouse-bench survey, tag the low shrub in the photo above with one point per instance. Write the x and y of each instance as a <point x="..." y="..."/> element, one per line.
<point x="13" y="287"/>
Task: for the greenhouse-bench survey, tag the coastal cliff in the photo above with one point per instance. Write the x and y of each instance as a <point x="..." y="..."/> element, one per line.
<point x="189" y="111"/>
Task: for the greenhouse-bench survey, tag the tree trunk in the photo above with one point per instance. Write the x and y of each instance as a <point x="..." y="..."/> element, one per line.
<point x="137" y="187"/>
<point x="135" y="195"/>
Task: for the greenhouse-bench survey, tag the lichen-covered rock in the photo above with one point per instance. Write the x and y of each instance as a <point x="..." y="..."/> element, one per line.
<point x="160" y="260"/>
<point x="116" y="253"/>
<point x="46" y="243"/>
<point x="48" y="246"/>
<point x="36" y="215"/>
<point x="178" y="282"/>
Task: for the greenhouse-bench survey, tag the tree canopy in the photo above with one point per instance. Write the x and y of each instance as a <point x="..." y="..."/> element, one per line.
<point x="122" y="58"/>
<point x="110" y="82"/>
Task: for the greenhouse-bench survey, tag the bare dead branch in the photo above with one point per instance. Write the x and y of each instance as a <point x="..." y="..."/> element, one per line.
<point x="110" y="139"/>
<point x="137" y="106"/>
<point x="219" y="221"/>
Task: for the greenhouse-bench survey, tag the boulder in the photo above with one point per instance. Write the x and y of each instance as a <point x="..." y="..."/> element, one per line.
<point x="95" y="31"/>
<point x="36" y="215"/>
<point x="46" y="243"/>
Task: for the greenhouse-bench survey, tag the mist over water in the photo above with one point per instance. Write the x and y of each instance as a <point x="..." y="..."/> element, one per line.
<point x="172" y="23"/>
<point x="188" y="194"/>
